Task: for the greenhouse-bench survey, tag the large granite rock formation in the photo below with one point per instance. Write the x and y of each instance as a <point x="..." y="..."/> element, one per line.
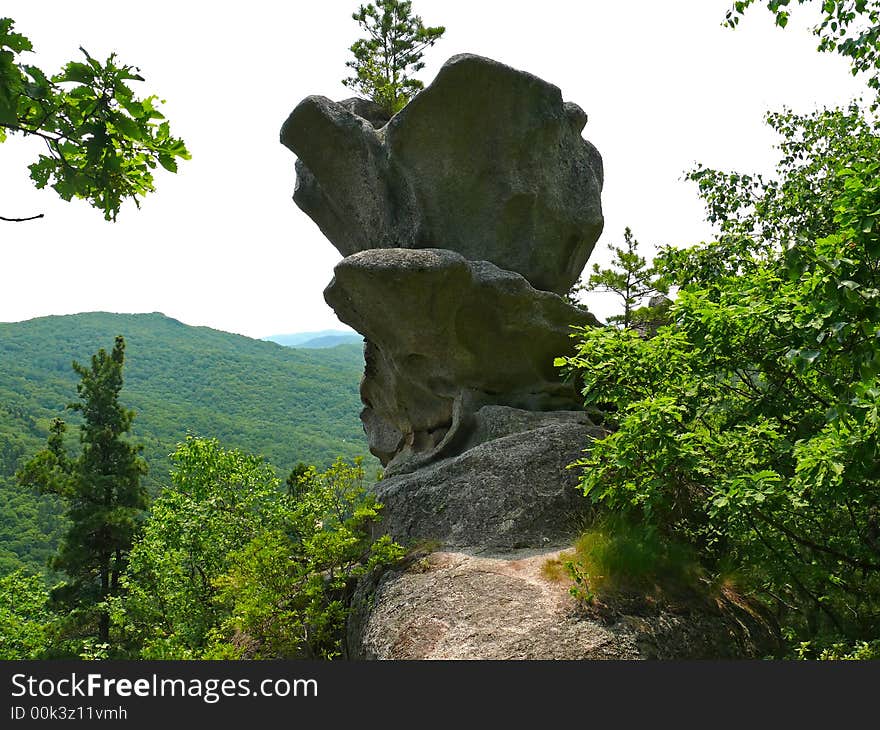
<point x="487" y="161"/>
<point x="462" y="219"/>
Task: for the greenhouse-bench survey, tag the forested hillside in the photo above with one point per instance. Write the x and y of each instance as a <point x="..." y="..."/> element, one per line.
<point x="285" y="404"/>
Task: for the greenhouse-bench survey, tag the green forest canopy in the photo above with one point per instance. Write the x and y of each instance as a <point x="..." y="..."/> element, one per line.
<point x="285" y="404"/>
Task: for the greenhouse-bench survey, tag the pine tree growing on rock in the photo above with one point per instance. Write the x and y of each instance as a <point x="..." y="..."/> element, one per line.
<point x="393" y="49"/>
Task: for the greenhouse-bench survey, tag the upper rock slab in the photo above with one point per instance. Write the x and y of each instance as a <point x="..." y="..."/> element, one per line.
<point x="487" y="161"/>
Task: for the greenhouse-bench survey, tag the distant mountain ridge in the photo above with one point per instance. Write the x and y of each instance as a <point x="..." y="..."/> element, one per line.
<point x="283" y="403"/>
<point x="316" y="340"/>
<point x="320" y="343"/>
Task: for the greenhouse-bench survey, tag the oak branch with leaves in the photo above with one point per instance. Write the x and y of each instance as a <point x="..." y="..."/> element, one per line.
<point x="383" y="61"/>
<point x="848" y="27"/>
<point x="102" y="141"/>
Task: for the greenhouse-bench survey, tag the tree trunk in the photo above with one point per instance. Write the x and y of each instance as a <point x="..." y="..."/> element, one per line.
<point x="104" y="620"/>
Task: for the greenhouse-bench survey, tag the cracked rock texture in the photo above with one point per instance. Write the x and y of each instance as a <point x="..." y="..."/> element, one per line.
<point x="506" y="492"/>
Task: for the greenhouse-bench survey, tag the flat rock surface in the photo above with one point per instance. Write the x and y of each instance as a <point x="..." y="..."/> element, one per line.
<point x="471" y="605"/>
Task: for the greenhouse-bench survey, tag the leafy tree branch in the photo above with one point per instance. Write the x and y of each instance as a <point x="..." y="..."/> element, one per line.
<point x="102" y="141"/>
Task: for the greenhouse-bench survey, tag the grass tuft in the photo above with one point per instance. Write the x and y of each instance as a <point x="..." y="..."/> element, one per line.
<point x="615" y="556"/>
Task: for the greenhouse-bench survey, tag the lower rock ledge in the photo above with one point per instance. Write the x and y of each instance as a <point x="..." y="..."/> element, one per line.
<point x="471" y="604"/>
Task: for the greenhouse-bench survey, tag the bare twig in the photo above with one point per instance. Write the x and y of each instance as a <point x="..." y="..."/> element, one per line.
<point x="21" y="220"/>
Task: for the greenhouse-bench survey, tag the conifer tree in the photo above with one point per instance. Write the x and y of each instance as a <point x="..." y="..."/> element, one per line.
<point x="294" y="480"/>
<point x="392" y="50"/>
<point x="101" y="489"/>
<point x="630" y="277"/>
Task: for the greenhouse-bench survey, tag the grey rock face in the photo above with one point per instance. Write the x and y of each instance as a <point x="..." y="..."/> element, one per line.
<point x="507" y="492"/>
<point x="366" y="109"/>
<point x="487" y="161"/>
<point x="445" y="336"/>
<point x="470" y="605"/>
<point x="338" y="174"/>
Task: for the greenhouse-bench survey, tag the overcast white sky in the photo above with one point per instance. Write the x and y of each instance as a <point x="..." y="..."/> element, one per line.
<point x="222" y="244"/>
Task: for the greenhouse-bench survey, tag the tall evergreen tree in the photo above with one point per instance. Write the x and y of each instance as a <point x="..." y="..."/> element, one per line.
<point x="393" y="48"/>
<point x="101" y="488"/>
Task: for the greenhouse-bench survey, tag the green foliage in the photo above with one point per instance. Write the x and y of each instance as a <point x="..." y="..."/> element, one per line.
<point x="25" y="617"/>
<point x="391" y="52"/>
<point x="100" y="489"/>
<point x="630" y="278"/>
<point x="102" y="141"/>
<point x="231" y="566"/>
<point x="218" y="501"/>
<point x="282" y="403"/>
<point x="849" y="27"/>
<point x="758" y="215"/>
<point x="749" y="426"/>
<point x="838" y="650"/>
<point x="286" y="589"/>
